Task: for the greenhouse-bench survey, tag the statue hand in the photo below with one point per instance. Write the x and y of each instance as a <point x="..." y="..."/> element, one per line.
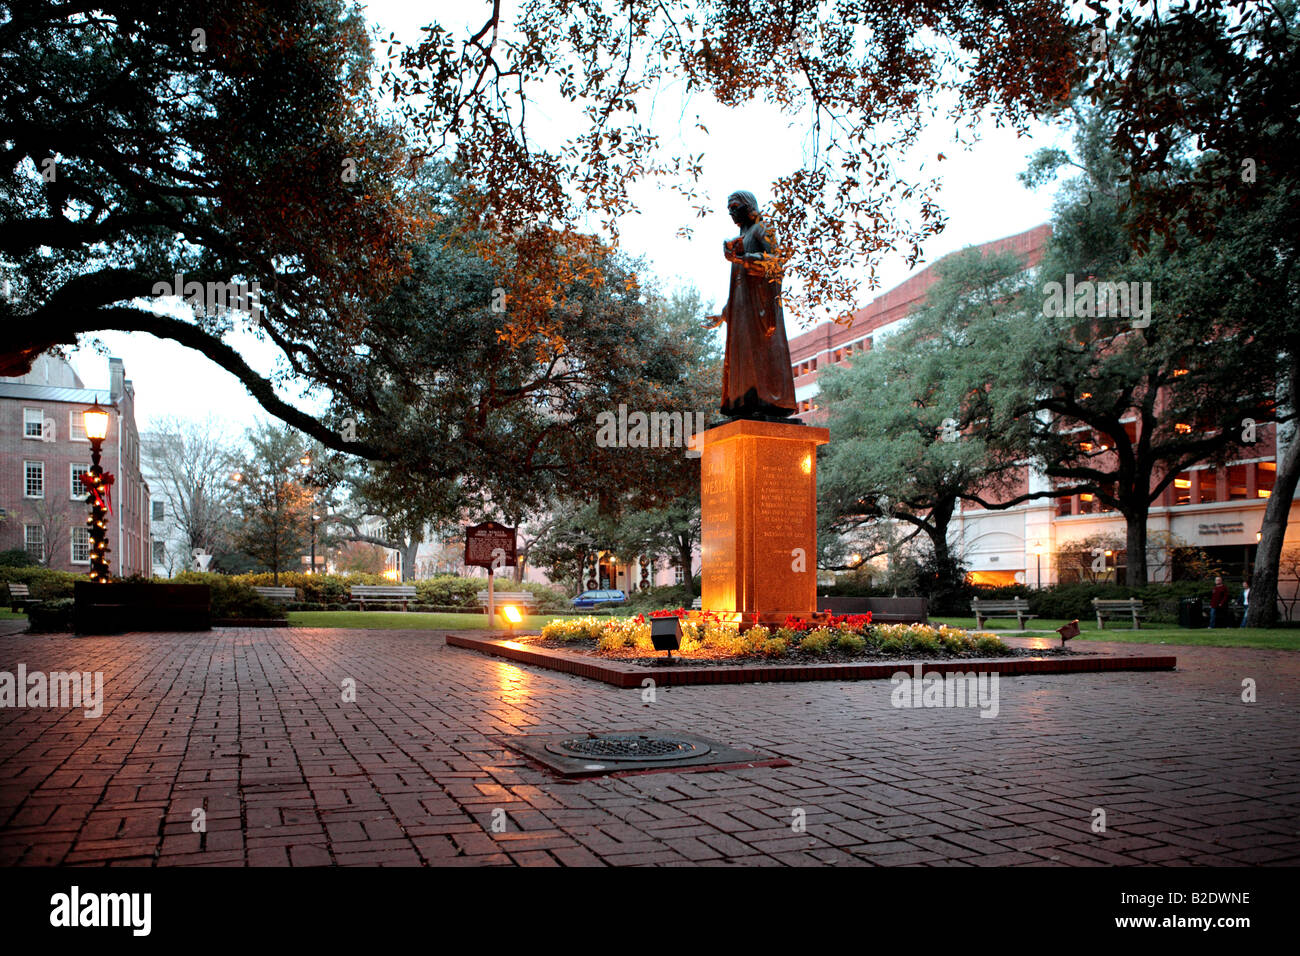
<point x="713" y="321"/>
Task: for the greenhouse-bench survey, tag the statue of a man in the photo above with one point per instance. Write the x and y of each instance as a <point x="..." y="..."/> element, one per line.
<point x="757" y="381"/>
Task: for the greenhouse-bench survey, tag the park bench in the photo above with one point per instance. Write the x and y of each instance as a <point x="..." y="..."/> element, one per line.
<point x="502" y="598"/>
<point x="402" y="594"/>
<point x="20" y="596"/>
<point x="1015" y="607"/>
<point x="284" y="595"/>
<point x="900" y="610"/>
<point x="697" y="604"/>
<point x="1123" y="607"/>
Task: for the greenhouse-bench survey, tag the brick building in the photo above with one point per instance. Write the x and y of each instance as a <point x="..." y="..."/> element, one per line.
<point x="1217" y="511"/>
<point x="44" y="450"/>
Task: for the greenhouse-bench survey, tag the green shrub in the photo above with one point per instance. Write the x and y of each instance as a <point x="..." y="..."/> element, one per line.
<point x="667" y="598"/>
<point x="50" y="617"/>
<point x="232" y="597"/>
<point x="990" y="645"/>
<point x="818" y="641"/>
<point x="16" y="558"/>
<point x="314" y="588"/>
<point x="850" y="642"/>
<point x="548" y="598"/>
<point x="573" y="629"/>
<point x="1067" y="601"/>
<point x="452" y="590"/>
<point x="774" y="647"/>
<point x="890" y="645"/>
<point x="45" y="583"/>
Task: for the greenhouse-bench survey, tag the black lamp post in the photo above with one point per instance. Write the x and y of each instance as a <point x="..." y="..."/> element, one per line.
<point x="305" y="461"/>
<point x="97" y="482"/>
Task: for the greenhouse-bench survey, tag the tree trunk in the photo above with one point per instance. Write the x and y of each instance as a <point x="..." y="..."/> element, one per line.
<point x="408" y="551"/>
<point x="684" y="562"/>
<point x="1135" y="544"/>
<point x="937" y="529"/>
<point x="1262" y="608"/>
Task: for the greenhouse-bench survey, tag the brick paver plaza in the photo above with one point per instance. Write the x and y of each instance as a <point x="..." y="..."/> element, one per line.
<point x="250" y="726"/>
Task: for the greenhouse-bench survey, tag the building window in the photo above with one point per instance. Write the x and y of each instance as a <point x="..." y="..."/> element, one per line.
<point x="76" y="490"/>
<point x="33" y="423"/>
<point x="1237" y="482"/>
<point x="1207" y="486"/>
<point x="80" y="545"/>
<point x="34" y="542"/>
<point x="679" y="576"/>
<point x="33" y="479"/>
<point x="77" y="427"/>
<point x="159" y="552"/>
<point x="157" y="511"/>
<point x="1183" y="488"/>
<point x="1265" y="474"/>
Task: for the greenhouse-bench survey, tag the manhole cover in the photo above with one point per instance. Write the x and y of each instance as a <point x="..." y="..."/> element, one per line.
<point x="628" y="747"/>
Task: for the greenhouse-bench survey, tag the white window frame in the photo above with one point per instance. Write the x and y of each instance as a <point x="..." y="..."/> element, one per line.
<point x="27" y="530"/>
<point x="679" y="575"/>
<point x="78" y="428"/>
<point x="40" y="433"/>
<point x="157" y="509"/>
<point x="75" y="492"/>
<point x="31" y="497"/>
<point x="157" y="545"/>
<point x="73" y="552"/>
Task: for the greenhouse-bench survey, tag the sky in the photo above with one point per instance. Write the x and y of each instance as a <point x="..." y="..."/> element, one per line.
<point x="744" y="149"/>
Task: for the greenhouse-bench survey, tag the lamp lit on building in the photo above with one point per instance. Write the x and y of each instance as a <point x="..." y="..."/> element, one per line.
<point x="98" y="491"/>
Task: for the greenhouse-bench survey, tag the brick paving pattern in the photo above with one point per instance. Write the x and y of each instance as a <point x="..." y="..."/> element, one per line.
<point x="250" y="726"/>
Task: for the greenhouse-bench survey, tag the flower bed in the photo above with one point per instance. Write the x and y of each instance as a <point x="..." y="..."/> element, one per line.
<point x="842" y="638"/>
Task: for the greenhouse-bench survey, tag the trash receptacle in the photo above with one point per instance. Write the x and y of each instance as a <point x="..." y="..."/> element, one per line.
<point x="1190" y="613"/>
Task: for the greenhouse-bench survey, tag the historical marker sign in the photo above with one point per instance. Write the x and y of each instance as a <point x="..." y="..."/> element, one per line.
<point x="490" y="545"/>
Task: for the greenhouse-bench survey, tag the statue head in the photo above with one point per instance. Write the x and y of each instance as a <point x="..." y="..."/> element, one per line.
<point x="742" y="207"/>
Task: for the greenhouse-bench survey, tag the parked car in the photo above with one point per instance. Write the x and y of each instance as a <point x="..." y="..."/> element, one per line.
<point x="589" y="599"/>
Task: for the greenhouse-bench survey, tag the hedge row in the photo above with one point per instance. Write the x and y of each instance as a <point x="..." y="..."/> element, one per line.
<point x="446" y="591"/>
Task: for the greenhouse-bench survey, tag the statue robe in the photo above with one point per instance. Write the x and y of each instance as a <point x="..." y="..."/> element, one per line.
<point x="756" y="376"/>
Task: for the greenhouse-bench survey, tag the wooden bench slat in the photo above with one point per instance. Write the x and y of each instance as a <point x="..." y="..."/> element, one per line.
<point x="279" y="595"/>
<point x="20" y="595"/>
<point x="1013" y="607"/>
<point x="1107" y="607"/>
<point x="384" y="593"/>
<point x="526" y="598"/>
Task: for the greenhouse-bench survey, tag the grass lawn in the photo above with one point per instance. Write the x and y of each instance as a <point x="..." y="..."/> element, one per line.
<point x="1286" y="639"/>
<point x="406" y="620"/>
<point x="10" y="615"/>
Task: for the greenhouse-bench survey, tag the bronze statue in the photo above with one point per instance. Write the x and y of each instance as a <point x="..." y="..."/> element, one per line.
<point x="757" y="381"/>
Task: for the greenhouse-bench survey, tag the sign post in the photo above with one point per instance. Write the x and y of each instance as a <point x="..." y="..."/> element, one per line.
<point x="490" y="545"/>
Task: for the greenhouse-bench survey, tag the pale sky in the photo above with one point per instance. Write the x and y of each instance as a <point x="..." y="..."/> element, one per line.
<point x="745" y="149"/>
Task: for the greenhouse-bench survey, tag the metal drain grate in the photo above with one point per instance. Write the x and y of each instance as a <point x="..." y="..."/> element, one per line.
<point x="628" y="747"/>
